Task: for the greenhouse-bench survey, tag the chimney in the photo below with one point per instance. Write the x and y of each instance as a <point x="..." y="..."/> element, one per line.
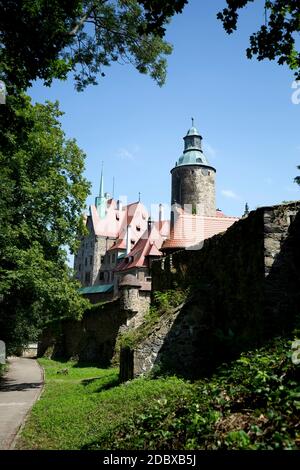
<point x="128" y="239"/>
<point x="149" y="225"/>
<point x="160" y="217"/>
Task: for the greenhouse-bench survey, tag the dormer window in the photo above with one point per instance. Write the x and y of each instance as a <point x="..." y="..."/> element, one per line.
<point x="132" y="242"/>
<point x="138" y="228"/>
<point x="117" y="216"/>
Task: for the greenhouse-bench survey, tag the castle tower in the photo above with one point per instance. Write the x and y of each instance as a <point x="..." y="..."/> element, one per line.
<point x="193" y="179"/>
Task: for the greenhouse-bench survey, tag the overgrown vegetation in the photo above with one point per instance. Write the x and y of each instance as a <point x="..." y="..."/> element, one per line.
<point x="82" y="406"/>
<point x="3" y="368"/>
<point x="252" y="403"/>
<point x="165" y="303"/>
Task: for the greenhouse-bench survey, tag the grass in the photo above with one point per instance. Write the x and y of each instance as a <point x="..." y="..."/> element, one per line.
<point x="83" y="407"/>
<point x="3" y="368"/>
<point x="251" y="403"/>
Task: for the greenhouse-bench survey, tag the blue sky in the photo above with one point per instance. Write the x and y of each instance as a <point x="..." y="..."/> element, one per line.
<point x="242" y="108"/>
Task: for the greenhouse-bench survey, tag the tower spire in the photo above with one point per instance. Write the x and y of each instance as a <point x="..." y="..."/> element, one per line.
<point x="100" y="201"/>
<point x="192" y="122"/>
<point x="101" y="191"/>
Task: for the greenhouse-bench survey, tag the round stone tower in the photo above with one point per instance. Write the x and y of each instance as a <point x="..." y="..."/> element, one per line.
<point x="193" y="179"/>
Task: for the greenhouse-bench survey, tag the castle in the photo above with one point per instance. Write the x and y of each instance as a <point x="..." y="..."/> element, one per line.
<point x="123" y="241"/>
<point x="241" y="286"/>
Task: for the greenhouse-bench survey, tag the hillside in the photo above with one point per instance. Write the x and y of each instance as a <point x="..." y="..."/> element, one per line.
<point x="250" y="403"/>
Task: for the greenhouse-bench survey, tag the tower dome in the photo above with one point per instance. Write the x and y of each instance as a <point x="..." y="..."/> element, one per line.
<point x="193" y="179"/>
<point x="192" y="153"/>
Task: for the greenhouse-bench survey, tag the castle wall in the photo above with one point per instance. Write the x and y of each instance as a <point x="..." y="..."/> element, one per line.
<point x="88" y="262"/>
<point x="194" y="185"/>
<point x="244" y="288"/>
<point x="135" y="304"/>
<point x="91" y="339"/>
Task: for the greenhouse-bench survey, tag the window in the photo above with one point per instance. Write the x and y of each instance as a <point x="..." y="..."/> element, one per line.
<point x="91" y="260"/>
<point x="132" y="242"/>
<point x="138" y="228"/>
<point x="87" y="277"/>
<point x="101" y="276"/>
<point x="198" y="160"/>
<point x="102" y="259"/>
<point x="113" y="258"/>
<point x="85" y="262"/>
<point x="79" y="267"/>
<point x="111" y="276"/>
<point x="108" y="259"/>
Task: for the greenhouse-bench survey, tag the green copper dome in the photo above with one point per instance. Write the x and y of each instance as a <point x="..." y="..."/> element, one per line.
<point x="192" y="154"/>
<point x="193" y="131"/>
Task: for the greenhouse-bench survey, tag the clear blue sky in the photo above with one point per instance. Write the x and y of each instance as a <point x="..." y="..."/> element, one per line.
<point x="242" y="108"/>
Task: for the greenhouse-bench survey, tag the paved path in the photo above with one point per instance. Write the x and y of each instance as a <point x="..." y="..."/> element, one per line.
<point x="19" y="389"/>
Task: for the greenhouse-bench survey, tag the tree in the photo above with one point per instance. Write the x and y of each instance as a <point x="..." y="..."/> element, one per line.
<point x="42" y="39"/>
<point x="42" y="195"/>
<point x="297" y="179"/>
<point x="42" y="191"/>
<point x="277" y="38"/>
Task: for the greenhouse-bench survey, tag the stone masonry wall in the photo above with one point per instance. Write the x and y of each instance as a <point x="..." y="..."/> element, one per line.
<point x="90" y="340"/>
<point x="135" y="305"/>
<point x="194" y="185"/>
<point x="244" y="288"/>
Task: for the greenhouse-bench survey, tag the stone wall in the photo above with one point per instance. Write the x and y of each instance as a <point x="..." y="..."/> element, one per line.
<point x="87" y="261"/>
<point x="244" y="288"/>
<point x="195" y="186"/>
<point x="90" y="340"/>
<point x="93" y="339"/>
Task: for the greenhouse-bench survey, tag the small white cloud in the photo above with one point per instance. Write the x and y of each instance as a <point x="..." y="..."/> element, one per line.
<point x="229" y="193"/>
<point x="209" y="150"/>
<point x="125" y="154"/>
<point x="128" y="154"/>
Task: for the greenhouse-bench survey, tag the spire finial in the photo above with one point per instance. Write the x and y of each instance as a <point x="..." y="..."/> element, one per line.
<point x="139" y="197"/>
<point x="101" y="191"/>
<point x="192" y="122"/>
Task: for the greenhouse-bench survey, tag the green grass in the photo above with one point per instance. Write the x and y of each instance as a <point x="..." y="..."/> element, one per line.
<point x="251" y="403"/>
<point x="3" y="368"/>
<point x="86" y="405"/>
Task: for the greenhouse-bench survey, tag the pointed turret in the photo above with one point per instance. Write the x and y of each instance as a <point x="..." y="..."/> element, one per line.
<point x="193" y="153"/>
<point x="193" y="178"/>
<point x="100" y="201"/>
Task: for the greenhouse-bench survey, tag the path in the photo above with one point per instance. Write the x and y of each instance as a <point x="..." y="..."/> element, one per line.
<point x="19" y="389"/>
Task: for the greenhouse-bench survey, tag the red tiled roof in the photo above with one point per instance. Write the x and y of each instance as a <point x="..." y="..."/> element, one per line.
<point x="115" y="222"/>
<point x="119" y="244"/>
<point x="147" y="245"/>
<point x="190" y="230"/>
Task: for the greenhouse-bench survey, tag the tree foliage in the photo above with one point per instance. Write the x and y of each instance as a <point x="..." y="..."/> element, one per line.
<point x="42" y="39"/>
<point x="277" y="38"/>
<point x="297" y="179"/>
<point x="42" y="195"/>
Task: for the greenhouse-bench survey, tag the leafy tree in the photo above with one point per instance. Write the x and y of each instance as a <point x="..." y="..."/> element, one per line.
<point x="42" y="39"/>
<point x="297" y="179"/>
<point x="277" y="38"/>
<point x="42" y="195"/>
<point x="42" y="191"/>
